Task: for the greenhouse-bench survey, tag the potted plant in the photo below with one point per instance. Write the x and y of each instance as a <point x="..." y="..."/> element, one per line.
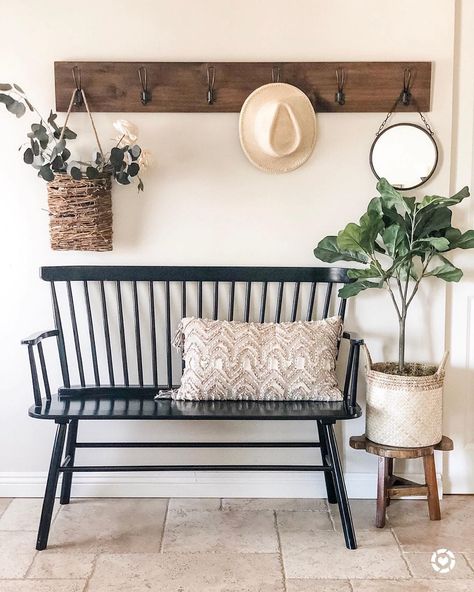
<point x="79" y="192"/>
<point x="400" y="241"/>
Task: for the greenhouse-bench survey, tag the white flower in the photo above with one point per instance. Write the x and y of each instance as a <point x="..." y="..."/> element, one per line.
<point x="127" y="130"/>
<point x="145" y="160"/>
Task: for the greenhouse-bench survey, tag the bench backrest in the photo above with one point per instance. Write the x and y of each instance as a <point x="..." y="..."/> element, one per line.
<point x="116" y="324"/>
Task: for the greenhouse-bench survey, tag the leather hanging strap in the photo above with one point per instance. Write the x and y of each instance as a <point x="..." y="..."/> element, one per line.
<point x="71" y="103"/>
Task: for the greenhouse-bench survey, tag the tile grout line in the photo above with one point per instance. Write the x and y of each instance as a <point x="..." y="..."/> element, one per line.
<point x="331" y="517"/>
<point x="402" y="554"/>
<point x="280" y="552"/>
<point x="94" y="565"/>
<point x="7" y="506"/>
<point x="165" y="519"/>
<point x="471" y="567"/>
<point x="351" y="587"/>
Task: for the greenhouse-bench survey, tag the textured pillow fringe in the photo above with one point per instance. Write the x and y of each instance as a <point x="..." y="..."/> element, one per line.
<point x="167" y="394"/>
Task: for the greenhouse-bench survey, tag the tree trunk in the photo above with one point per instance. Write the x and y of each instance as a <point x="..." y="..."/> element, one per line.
<point x="401" y="343"/>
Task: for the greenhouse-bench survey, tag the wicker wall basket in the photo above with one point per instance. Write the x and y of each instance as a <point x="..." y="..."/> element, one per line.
<point x="404" y="411"/>
<point x="80" y="213"/>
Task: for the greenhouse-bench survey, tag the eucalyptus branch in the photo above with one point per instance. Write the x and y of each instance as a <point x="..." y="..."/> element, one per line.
<point x="42" y="119"/>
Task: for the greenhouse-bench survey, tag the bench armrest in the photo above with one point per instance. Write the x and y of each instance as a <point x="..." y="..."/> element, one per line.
<point x="37" y="337"/>
<point x="353" y="337"/>
<point x="352" y="370"/>
<point x="33" y="342"/>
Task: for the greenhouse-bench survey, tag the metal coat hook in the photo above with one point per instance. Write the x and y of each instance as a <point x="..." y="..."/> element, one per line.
<point x="406" y="94"/>
<point x="276" y="74"/>
<point x="211" y="79"/>
<point x="340" y="97"/>
<point x="145" y="94"/>
<point x="78" y="98"/>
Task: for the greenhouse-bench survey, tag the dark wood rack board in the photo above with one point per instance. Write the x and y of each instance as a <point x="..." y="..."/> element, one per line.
<point x="182" y="86"/>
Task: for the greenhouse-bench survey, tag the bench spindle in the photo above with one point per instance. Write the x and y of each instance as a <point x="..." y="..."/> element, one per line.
<point x="138" y="339"/>
<point x="105" y="321"/>
<point x="90" y="324"/>
<point x="123" y="344"/>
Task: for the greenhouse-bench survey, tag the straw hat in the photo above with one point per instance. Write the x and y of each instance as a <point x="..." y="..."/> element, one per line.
<point x="277" y="128"/>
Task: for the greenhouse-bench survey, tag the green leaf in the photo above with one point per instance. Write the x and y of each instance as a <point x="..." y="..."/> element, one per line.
<point x="447" y="271"/>
<point x="437" y="242"/>
<point x="92" y="172"/>
<point x="7" y="100"/>
<point x="435" y="200"/>
<point x="135" y="151"/>
<point x="460" y="241"/>
<point x="394" y="237"/>
<point x="375" y="206"/>
<point x="329" y="251"/>
<point x="350" y="239"/>
<point x="75" y="173"/>
<point x="390" y="197"/>
<point x="46" y="173"/>
<point x="410" y="202"/>
<point x="52" y="120"/>
<point x="369" y="272"/>
<point x="5" y="86"/>
<point x="358" y="286"/>
<point x="68" y="134"/>
<point x="133" y="169"/>
<point x="371" y="224"/>
<point x="28" y="156"/>
<point x="13" y="106"/>
<point x="35" y="147"/>
<point x="428" y="222"/>
<point x="123" y="178"/>
<point x="66" y="154"/>
<point x="57" y="164"/>
<point x="116" y="157"/>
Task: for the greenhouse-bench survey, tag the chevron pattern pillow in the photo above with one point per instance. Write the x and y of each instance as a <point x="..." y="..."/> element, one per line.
<point x="259" y="361"/>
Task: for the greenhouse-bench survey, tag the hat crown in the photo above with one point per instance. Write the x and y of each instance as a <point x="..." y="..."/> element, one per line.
<point x="277" y="129"/>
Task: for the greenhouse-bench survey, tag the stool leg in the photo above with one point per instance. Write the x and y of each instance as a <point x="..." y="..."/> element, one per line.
<point x="381" y="492"/>
<point x="430" y="477"/>
<point x="389" y="474"/>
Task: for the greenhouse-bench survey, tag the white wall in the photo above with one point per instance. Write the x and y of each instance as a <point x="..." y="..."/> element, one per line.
<point x="203" y="202"/>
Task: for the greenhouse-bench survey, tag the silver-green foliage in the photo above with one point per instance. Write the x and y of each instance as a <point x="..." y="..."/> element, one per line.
<point x="46" y="149"/>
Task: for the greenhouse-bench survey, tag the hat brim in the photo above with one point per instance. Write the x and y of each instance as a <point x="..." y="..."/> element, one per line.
<point x="277" y="91"/>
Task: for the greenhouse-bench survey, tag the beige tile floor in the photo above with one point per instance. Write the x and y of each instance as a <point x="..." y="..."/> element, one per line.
<point x="233" y="545"/>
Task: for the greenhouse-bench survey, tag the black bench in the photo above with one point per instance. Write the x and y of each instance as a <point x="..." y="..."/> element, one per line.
<point x="114" y="327"/>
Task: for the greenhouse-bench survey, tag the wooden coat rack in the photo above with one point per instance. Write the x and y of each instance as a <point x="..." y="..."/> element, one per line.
<point x="212" y="87"/>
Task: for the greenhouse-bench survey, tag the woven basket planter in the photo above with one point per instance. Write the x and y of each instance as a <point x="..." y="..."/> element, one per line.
<point x="404" y="411"/>
<point x="80" y="213"/>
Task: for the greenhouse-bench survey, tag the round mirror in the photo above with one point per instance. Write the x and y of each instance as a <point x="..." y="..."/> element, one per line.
<point x="405" y="154"/>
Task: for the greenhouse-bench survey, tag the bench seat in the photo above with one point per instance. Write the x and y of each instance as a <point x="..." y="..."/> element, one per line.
<point x="109" y="407"/>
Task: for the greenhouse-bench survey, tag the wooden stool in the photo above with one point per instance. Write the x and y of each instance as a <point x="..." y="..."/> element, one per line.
<point x="389" y="485"/>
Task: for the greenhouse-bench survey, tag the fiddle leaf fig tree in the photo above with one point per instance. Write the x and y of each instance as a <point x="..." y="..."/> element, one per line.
<point x="400" y="241"/>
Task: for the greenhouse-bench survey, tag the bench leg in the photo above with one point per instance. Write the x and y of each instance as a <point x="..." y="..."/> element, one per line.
<point x="51" y="486"/>
<point x="71" y="452"/>
<point x="331" y="492"/>
<point x="341" y="493"/>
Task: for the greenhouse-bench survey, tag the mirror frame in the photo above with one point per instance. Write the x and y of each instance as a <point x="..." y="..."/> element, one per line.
<point x="425" y="132"/>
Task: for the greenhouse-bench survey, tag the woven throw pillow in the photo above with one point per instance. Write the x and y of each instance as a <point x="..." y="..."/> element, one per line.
<point x="259" y="361"/>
